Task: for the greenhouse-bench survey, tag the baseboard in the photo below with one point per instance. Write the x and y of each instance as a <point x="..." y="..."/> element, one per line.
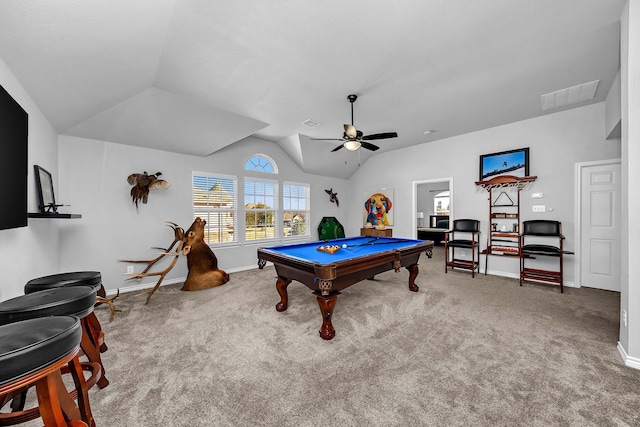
<point x="149" y="285"/>
<point x="632" y="362"/>
<point x="503" y="274"/>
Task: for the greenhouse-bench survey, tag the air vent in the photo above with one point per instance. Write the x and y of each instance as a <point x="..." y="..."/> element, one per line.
<point x="310" y="123"/>
<point x="570" y="95"/>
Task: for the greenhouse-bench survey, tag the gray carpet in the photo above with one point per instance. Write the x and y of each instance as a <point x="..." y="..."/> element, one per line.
<point x="461" y="351"/>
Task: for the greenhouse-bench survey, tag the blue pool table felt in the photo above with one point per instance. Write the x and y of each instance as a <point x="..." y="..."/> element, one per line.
<point x="360" y="246"/>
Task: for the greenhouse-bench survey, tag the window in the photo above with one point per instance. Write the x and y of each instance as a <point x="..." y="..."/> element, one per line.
<point x="441" y="203"/>
<point x="261" y="208"/>
<point x="215" y="201"/>
<point x="295" y="209"/>
<point x="261" y="163"/>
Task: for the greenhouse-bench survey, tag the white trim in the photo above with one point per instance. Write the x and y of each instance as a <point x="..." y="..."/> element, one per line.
<point x="632" y="362"/>
<point x="577" y="209"/>
<point x="149" y="285"/>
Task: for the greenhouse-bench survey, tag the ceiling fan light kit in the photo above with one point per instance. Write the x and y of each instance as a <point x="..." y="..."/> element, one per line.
<point x="352" y="145"/>
<point x="352" y="138"/>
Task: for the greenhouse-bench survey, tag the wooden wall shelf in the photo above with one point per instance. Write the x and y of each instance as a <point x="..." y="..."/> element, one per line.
<point x="53" y="215"/>
<point x="507" y="181"/>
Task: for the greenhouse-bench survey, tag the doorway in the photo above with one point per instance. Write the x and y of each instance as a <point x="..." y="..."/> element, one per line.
<point x="598" y="228"/>
<point x="425" y="203"/>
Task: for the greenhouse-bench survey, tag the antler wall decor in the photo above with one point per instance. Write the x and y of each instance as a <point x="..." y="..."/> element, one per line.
<point x="142" y="183"/>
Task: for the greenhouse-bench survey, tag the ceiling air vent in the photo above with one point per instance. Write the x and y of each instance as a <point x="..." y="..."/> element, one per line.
<point x="310" y="123"/>
<point x="570" y="95"/>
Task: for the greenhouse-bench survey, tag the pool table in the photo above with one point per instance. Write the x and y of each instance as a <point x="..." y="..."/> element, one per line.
<point x="343" y="263"/>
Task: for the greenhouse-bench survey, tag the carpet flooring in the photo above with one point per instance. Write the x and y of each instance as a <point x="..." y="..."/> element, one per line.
<point x="459" y="352"/>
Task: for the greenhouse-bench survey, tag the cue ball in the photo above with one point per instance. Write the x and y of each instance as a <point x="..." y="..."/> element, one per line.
<point x="344" y="246"/>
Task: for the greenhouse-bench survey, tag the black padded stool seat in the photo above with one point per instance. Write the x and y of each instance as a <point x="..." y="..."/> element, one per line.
<point x="75" y="301"/>
<point x="70" y="279"/>
<point x="32" y="352"/>
<point x="75" y="278"/>
<point x="90" y="323"/>
<point x="30" y="345"/>
<point x="70" y="301"/>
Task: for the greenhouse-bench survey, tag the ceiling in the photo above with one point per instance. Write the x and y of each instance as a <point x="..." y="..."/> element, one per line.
<point x="194" y="77"/>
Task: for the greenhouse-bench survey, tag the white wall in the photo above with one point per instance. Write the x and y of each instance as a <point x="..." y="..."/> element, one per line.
<point x="556" y="142"/>
<point x="93" y="179"/>
<point x="629" y="345"/>
<point x="32" y="251"/>
<point x="613" y="105"/>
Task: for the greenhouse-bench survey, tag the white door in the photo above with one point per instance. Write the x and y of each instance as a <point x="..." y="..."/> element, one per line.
<point x="600" y="226"/>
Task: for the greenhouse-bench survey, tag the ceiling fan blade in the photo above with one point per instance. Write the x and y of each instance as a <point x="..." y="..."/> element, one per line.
<point x="350" y="131"/>
<point x="327" y="139"/>
<point x="337" y="148"/>
<point x="380" y="136"/>
<point x="369" y="146"/>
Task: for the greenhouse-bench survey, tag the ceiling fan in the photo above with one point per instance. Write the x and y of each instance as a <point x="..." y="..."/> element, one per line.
<point x="352" y="139"/>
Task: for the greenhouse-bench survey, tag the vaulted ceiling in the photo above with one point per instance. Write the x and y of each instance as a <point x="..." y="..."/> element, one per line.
<point x="195" y="76"/>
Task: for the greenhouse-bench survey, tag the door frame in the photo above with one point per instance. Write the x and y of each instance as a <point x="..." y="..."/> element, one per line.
<point x="578" y="213"/>
<point x="415" y="199"/>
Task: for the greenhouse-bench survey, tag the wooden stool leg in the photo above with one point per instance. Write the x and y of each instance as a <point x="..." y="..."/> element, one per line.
<point x="97" y="336"/>
<point x="49" y="402"/>
<point x="69" y="408"/>
<point x="17" y="399"/>
<point x="92" y="352"/>
<point x="75" y="368"/>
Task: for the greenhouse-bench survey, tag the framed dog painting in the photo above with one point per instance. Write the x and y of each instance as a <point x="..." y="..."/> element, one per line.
<point x="378" y="208"/>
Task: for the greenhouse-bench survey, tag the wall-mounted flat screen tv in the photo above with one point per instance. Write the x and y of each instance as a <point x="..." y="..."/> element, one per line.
<point x="14" y="131"/>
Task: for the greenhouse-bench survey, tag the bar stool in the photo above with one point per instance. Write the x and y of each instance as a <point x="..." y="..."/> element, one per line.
<point x="75" y="278"/>
<point x="53" y="299"/>
<point x="75" y="301"/>
<point x="90" y="323"/>
<point x="32" y="352"/>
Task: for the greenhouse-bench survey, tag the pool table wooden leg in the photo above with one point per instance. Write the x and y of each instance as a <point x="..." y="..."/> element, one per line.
<point x="327" y="303"/>
<point x="413" y="273"/>
<point x="281" y="287"/>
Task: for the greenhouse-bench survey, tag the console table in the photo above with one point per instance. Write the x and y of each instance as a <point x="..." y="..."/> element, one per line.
<point x="385" y="232"/>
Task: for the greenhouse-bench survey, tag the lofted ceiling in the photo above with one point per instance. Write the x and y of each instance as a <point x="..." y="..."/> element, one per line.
<point x="195" y="76"/>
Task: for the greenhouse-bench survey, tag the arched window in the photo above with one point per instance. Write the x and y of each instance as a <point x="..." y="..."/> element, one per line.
<point x="261" y="163"/>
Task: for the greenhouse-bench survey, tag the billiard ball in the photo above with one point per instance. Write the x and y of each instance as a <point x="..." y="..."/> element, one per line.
<point x="344" y="246"/>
